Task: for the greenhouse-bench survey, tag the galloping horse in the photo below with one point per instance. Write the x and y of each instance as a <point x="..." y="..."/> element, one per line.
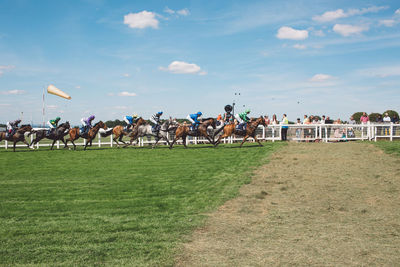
<point x="19" y="136"/>
<point x="249" y="132"/>
<point x="183" y="131"/>
<point x="146" y="130"/>
<point x="57" y="134"/>
<point x="74" y="134"/>
<point x="119" y="132"/>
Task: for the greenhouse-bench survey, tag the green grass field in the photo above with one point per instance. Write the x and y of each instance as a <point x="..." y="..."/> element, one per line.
<point x="389" y="147"/>
<point x="129" y="206"/>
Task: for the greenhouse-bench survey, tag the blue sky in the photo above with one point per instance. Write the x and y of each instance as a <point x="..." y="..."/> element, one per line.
<point x="123" y="57"/>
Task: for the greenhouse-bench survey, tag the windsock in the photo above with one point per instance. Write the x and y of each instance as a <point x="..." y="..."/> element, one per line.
<point x="51" y="89"/>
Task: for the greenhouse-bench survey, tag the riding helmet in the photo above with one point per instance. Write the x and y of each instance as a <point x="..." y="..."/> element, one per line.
<point x="199" y="113"/>
<point x="58" y="118"/>
<point x="247" y="111"/>
<point x="160" y="113"/>
<point x="228" y="108"/>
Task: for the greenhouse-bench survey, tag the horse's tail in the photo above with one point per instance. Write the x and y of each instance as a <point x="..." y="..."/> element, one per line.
<point x="218" y="131"/>
<point x="105" y="133"/>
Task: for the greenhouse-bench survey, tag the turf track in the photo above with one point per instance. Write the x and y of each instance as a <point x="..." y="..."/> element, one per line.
<point x="113" y="206"/>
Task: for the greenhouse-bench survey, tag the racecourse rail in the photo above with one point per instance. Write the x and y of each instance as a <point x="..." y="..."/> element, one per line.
<point x="300" y="133"/>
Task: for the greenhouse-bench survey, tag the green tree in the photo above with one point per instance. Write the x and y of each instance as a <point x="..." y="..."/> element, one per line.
<point x="391" y="113"/>
<point x="373" y="116"/>
<point x="357" y="116"/>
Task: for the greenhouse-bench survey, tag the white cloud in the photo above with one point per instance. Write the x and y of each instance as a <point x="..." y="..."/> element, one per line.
<point x="78" y="87"/>
<point x="183" y="12"/>
<point x="5" y="105"/>
<point x="292" y="34"/>
<point x="110" y="94"/>
<point x="330" y="15"/>
<point x="388" y="22"/>
<point x="382" y="72"/>
<point x="318" y="78"/>
<point x="5" y="68"/>
<point x="397" y="12"/>
<point x="124" y="93"/>
<point x="169" y="11"/>
<point x="126" y="75"/>
<point x="339" y="13"/>
<point x="52" y="106"/>
<point x="362" y="11"/>
<point x="181" y="67"/>
<point x="348" y="30"/>
<point x="299" y="46"/>
<point x="13" y="92"/>
<point x="141" y="20"/>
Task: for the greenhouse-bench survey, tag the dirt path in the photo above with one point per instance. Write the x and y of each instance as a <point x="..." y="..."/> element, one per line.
<point x="318" y="204"/>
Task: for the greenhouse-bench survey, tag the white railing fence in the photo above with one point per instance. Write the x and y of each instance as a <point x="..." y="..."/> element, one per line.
<point x="299" y="133"/>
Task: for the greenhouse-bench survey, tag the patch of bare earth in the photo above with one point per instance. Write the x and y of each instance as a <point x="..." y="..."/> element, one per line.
<point x="313" y="204"/>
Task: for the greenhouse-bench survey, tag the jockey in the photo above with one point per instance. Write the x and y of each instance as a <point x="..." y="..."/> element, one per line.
<point x="87" y="122"/>
<point x="242" y="118"/>
<point x="53" y="124"/>
<point x="130" y="120"/>
<point x="194" y="119"/>
<point x="155" y="120"/>
<point x="228" y="117"/>
<point x="12" y="126"/>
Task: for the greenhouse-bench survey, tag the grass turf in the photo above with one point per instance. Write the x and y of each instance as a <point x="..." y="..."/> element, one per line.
<point x="113" y="206"/>
<point x="389" y="147"/>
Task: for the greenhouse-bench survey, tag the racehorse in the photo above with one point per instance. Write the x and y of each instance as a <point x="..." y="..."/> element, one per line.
<point x="249" y="132"/>
<point x="119" y="131"/>
<point x="19" y="135"/>
<point x="183" y="131"/>
<point x="57" y="134"/>
<point x="89" y="136"/>
<point x="146" y="130"/>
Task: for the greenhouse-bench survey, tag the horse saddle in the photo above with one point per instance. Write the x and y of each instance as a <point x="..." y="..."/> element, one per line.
<point x="156" y="128"/>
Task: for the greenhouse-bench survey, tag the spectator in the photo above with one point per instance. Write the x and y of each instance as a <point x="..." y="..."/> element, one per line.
<point x="266" y="119"/>
<point x="386" y="120"/>
<point x="350" y="130"/>
<point x="379" y="120"/>
<point x="274" y="121"/>
<point x="298" y="130"/>
<point x="323" y="119"/>
<point x="395" y="121"/>
<point x="306" y="131"/>
<point x="305" y="119"/>
<point x="364" y="118"/>
<point x="328" y="130"/>
<point x="285" y="127"/>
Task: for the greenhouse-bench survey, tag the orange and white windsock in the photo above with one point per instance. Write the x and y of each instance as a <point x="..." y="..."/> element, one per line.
<point x="51" y="89"/>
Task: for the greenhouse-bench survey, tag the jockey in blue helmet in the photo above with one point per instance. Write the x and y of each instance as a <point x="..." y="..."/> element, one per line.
<point x="194" y="119"/>
<point x="155" y="120"/>
<point x="130" y="120"/>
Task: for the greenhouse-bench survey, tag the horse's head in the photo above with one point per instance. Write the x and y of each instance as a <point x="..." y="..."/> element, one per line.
<point x="65" y="125"/>
<point x="24" y="128"/>
<point x="140" y="121"/>
<point x="102" y="125"/>
<point x="261" y="121"/>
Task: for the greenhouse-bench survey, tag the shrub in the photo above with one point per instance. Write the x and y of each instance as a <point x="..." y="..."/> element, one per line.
<point x="357" y="116"/>
<point x="391" y="113"/>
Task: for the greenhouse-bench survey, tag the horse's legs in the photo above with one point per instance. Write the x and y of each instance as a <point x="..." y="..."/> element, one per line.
<point x="258" y="141"/>
<point x="52" y="145"/>
<point x="244" y="139"/>
<point x="62" y="139"/>
<point x="15" y="142"/>
<point x="173" y="142"/>
<point x="220" y="138"/>
<point x="184" y="140"/>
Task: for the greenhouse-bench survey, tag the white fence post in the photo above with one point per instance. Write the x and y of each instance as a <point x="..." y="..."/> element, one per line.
<point x="111" y="140"/>
<point x="98" y="136"/>
<point x="6" y="144"/>
<point x="58" y="144"/>
<point x="391" y="131"/>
